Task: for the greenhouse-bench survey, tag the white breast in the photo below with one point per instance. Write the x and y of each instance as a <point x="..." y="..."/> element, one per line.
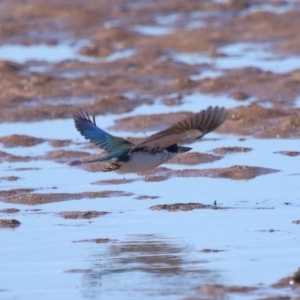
<point x="141" y="161"/>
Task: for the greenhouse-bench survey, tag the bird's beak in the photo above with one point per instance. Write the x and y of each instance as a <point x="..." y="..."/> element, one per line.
<point x="183" y="149"/>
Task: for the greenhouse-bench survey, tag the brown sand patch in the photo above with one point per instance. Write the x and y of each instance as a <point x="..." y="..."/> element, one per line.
<point x="115" y="181"/>
<point x="82" y="214"/>
<point x="79" y="271"/>
<point x="60" y="143"/>
<point x="144" y="197"/>
<point x="10" y="178"/>
<point x="97" y="241"/>
<point x="23" y="169"/>
<point x="239" y="95"/>
<point x="234" y="172"/>
<point x="207" y="250"/>
<point x="9" y="210"/>
<point x="64" y="156"/>
<point x="264" y="85"/>
<point x="149" y="122"/>
<point x="93" y="167"/>
<point x="185" y="206"/>
<point x="101" y="86"/>
<point x="155" y="178"/>
<point x="33" y="199"/>
<point x="229" y="25"/>
<point x="79" y="158"/>
<point x="218" y="290"/>
<point x="263" y="122"/>
<point x="193" y="158"/>
<point x="17" y="140"/>
<point x="228" y="150"/>
<point x="9" y="66"/>
<point x="289" y="153"/>
<point x="14" y="192"/>
<point x="13" y="158"/>
<point x="12" y="223"/>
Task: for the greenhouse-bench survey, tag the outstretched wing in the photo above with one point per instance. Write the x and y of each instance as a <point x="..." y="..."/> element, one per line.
<point x="193" y="127"/>
<point x="99" y="137"/>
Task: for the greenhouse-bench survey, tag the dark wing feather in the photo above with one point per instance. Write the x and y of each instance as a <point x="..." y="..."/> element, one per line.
<point x="193" y="127"/>
<point x="99" y="137"/>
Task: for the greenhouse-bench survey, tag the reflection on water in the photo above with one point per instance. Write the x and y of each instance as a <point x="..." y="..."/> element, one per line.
<point x="146" y="265"/>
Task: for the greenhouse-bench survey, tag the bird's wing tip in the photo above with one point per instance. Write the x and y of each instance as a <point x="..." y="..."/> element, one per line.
<point x="81" y="115"/>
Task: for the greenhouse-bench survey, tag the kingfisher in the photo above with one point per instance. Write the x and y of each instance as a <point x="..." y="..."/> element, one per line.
<point x="155" y="150"/>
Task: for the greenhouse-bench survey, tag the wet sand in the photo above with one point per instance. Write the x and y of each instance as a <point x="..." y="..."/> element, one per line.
<point x="217" y="222"/>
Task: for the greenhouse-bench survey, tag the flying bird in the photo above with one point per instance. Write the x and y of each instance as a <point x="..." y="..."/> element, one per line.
<point x="155" y="150"/>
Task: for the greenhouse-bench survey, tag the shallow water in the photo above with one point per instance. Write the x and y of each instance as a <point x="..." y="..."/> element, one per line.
<point x="42" y="52"/>
<point x="151" y="253"/>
